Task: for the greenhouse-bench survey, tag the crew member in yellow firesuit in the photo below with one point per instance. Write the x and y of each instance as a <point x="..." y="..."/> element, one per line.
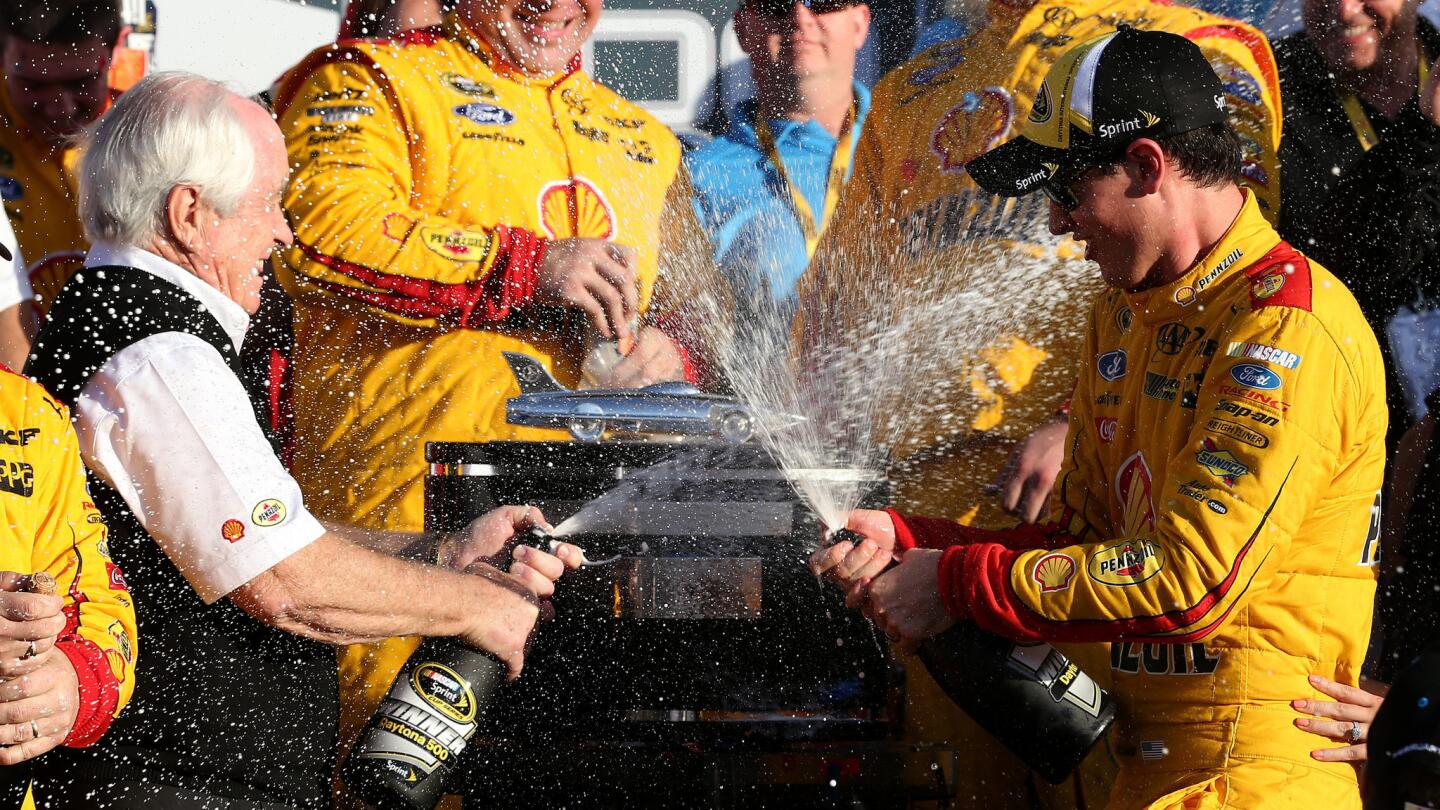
<point x="67" y="657"/>
<point x="1224" y="453"/>
<point x="913" y="211"/>
<point x="56" y="59"/>
<point x="461" y="191"/>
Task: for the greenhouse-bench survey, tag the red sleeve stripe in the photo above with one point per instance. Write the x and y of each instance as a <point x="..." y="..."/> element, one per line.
<point x="984" y="563"/>
<point x="99" y="690"/>
<point x="1198" y="634"/>
<point x="510" y="284"/>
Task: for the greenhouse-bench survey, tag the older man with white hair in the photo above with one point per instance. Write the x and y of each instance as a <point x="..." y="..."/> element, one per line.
<point x="238" y="588"/>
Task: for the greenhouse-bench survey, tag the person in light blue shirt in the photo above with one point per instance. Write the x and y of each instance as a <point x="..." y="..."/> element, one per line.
<point x="764" y="190"/>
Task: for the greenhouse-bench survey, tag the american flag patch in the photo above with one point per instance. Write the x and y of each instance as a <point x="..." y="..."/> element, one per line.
<point x="1151" y="750"/>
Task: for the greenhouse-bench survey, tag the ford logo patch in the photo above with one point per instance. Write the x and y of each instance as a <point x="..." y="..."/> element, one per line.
<point x="1253" y="376"/>
<point x="488" y="114"/>
<point x="1111" y="365"/>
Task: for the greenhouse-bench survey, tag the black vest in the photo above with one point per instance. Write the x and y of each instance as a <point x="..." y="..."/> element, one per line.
<point x="1317" y="138"/>
<point x="224" y="704"/>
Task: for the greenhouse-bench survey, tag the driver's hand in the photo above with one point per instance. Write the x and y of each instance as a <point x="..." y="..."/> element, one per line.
<point x="848" y="564"/>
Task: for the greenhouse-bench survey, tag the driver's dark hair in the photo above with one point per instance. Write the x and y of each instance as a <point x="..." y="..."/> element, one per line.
<point x="60" y="22"/>
<point x="1209" y="156"/>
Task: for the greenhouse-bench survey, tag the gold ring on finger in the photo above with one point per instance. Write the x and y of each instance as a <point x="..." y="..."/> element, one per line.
<point x="35" y="729"/>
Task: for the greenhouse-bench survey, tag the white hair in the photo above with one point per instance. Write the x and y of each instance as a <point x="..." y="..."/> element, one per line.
<point x="170" y="129"/>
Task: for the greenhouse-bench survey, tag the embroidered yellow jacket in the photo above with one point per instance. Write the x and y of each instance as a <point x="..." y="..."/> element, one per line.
<point x="47" y="523"/>
<point x="911" y="210"/>
<point x="430" y="177"/>
<point x="1221" y="505"/>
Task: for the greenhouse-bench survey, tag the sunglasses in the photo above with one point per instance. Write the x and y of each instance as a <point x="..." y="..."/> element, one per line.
<point x="1060" y="194"/>
<point x="782" y="8"/>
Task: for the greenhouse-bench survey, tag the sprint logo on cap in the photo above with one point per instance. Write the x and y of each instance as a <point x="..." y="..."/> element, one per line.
<point x="1038" y="177"/>
<point x="1098" y="94"/>
<point x="1145" y="121"/>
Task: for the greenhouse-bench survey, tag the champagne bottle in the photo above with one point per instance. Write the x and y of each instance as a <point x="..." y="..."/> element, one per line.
<point x="1030" y="697"/>
<point x="408" y="750"/>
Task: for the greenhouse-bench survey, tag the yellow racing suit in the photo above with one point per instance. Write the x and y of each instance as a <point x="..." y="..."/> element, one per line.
<point x="1220" y="524"/>
<point x="911" y="197"/>
<point x="47" y="523"/>
<point x="912" y="211"/>
<point x="430" y="179"/>
<point x="37" y="185"/>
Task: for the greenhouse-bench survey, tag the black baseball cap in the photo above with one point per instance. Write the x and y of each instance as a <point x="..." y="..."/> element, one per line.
<point x="1097" y="98"/>
<point x="1403" y="770"/>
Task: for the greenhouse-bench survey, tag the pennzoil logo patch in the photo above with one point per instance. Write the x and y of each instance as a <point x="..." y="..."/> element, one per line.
<point x="456" y="244"/>
<point x="269" y="512"/>
<point x="1128" y="563"/>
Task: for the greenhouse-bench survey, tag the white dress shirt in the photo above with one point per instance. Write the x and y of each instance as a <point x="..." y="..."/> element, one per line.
<point x="14" y="281"/>
<point x="168" y="424"/>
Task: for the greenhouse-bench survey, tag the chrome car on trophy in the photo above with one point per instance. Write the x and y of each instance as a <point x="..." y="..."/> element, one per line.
<point x="677" y="408"/>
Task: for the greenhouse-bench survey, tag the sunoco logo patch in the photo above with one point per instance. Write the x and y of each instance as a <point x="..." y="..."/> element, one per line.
<point x="1127" y="563"/>
<point x="443" y="688"/>
<point x="1220" y="463"/>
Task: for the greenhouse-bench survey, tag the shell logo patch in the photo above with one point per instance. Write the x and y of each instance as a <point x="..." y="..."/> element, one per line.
<point x="117" y="664"/>
<point x="232" y="530"/>
<point x="396" y="226"/>
<point x="972" y="127"/>
<point x="575" y="209"/>
<point x="268" y="512"/>
<point x="1053" y="572"/>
